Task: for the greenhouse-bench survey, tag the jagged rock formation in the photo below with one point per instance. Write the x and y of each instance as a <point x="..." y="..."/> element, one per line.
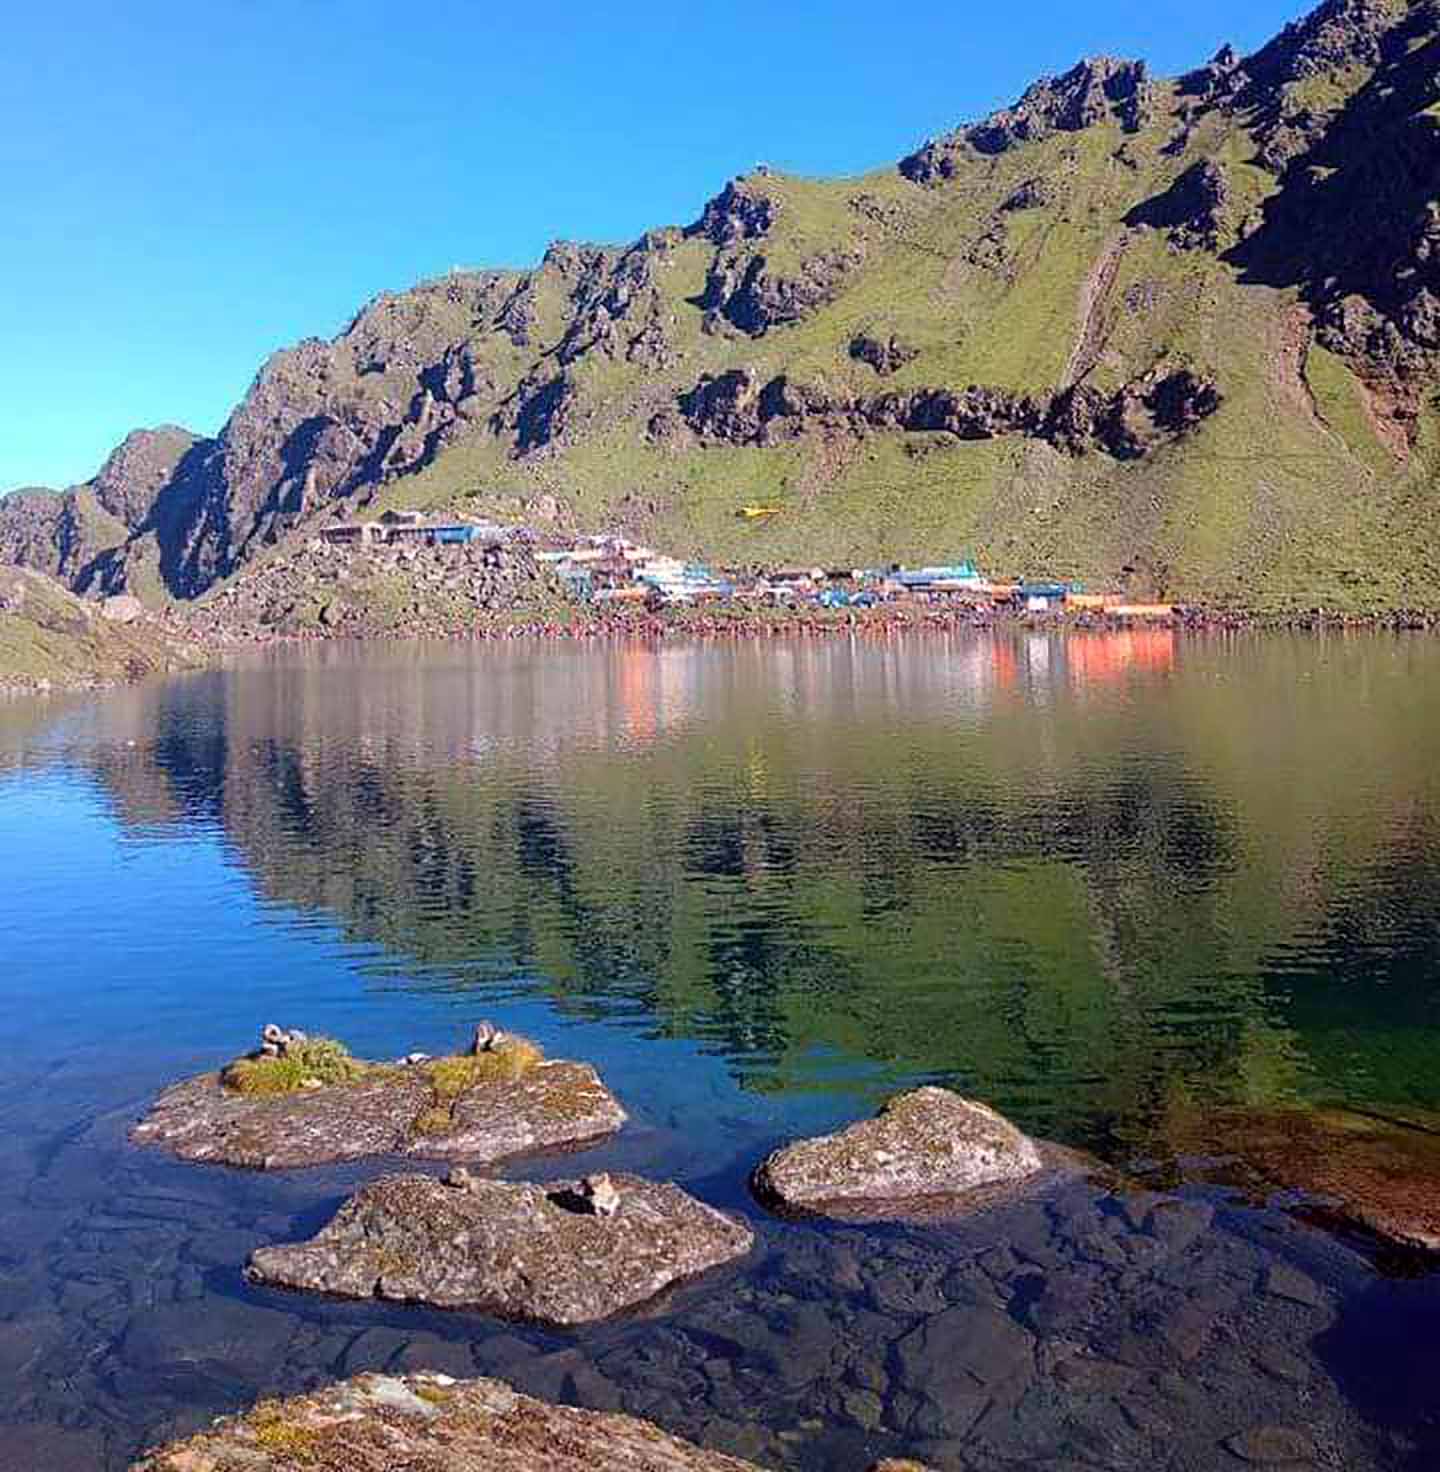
<point x="1098" y="88"/>
<point x="742" y="290"/>
<point x="1149" y="280"/>
<point x="1192" y="209"/>
<point x="885" y="356"/>
<point x="736" y="409"/>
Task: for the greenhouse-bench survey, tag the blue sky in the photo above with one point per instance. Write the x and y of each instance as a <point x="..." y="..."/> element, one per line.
<point x="189" y="187"/>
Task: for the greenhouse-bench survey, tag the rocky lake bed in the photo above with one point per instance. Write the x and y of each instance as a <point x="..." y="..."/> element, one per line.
<point x="1184" y="1327"/>
<point x="1136" y="1325"/>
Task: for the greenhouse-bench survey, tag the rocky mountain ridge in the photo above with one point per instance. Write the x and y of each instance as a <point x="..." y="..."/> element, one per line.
<point x="1182" y="334"/>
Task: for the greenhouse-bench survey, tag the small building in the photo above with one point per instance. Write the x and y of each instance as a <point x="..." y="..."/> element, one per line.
<point x="455" y="534"/>
<point x="352" y="533"/>
<point x="435" y="533"/>
<point x="1042" y="597"/>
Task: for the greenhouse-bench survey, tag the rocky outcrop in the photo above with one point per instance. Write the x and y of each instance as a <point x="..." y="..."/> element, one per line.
<point x="1335" y="35"/>
<point x="1033" y="194"/>
<point x="1191" y="210"/>
<point x="71" y="535"/>
<point x="742" y="290"/>
<point x="1220" y="77"/>
<point x="1096" y="90"/>
<point x="383" y="1423"/>
<point x="1353" y="223"/>
<point x="736" y="408"/>
<point x="383" y="1109"/>
<point x="885" y="355"/>
<point x="1163" y="405"/>
<point x="130" y="481"/>
<point x="741" y="211"/>
<point x="927" y="1144"/>
<point x="561" y="1253"/>
<point x="538" y="412"/>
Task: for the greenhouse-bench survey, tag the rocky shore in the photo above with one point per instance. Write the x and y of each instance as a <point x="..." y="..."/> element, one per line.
<point x="576" y="623"/>
<point x="207" y="633"/>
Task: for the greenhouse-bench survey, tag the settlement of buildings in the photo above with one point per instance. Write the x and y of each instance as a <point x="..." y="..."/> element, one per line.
<point x="613" y="569"/>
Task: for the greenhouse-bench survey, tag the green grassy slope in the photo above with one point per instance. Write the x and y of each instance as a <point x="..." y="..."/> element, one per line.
<point x="50" y="638"/>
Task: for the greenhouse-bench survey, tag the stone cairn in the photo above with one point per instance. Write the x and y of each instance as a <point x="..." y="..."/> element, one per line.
<point x="276" y="1042"/>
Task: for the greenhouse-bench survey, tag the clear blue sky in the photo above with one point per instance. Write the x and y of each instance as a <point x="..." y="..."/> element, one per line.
<point x="188" y="187"/>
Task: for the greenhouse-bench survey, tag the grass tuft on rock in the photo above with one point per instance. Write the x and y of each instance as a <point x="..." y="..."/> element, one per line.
<point x="513" y="1059"/>
<point x="276" y="1432"/>
<point x="322" y="1059"/>
<point x="451" y="1078"/>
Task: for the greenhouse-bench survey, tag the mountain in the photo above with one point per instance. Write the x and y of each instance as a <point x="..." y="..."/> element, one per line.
<point x="1180" y="334"/>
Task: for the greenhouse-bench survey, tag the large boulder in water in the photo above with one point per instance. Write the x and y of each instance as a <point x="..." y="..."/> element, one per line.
<point x="379" y="1423"/>
<point x="926" y="1144"/>
<point x="271" y="1114"/>
<point x="562" y="1253"/>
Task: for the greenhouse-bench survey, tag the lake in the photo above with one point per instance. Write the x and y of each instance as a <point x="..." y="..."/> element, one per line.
<point x="1103" y="882"/>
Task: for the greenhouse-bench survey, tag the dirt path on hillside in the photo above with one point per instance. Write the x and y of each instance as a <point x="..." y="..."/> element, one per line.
<point x="1287" y="352"/>
<point x="1287" y="346"/>
<point x="1094" y="295"/>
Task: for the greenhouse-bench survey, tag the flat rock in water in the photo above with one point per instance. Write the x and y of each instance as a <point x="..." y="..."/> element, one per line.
<point x="929" y="1144"/>
<point x="1380" y="1173"/>
<point x="534" y="1252"/>
<point x="378" y="1423"/>
<point x="555" y="1105"/>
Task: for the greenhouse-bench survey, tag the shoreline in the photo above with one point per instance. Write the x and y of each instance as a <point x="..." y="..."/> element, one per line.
<point x="790" y="623"/>
<point x="212" y="646"/>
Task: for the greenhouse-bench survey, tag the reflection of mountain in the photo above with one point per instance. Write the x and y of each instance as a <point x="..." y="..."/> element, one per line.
<point x="1080" y="880"/>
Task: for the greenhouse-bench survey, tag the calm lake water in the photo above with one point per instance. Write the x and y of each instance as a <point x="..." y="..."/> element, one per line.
<point x="1102" y="882"/>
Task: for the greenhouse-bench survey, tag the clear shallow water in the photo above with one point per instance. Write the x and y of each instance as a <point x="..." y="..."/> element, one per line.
<point x="1105" y="883"/>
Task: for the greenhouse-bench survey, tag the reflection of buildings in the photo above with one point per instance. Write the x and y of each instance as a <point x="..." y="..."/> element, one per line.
<point x="1080" y="661"/>
<point x="1106" y="658"/>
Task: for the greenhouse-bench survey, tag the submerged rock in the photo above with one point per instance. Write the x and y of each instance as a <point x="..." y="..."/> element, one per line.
<point x="561" y="1253"/>
<point x="1379" y="1173"/>
<point x="485" y="1107"/>
<point x="379" y="1423"/>
<point x="925" y="1144"/>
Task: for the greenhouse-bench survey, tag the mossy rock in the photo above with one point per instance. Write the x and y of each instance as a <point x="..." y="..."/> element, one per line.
<point x="317" y="1104"/>
<point x="376" y="1423"/>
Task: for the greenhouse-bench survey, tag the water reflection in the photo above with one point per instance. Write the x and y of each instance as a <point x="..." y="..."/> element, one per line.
<point x="1100" y="881"/>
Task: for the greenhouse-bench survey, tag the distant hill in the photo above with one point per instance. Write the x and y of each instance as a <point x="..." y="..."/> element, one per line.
<point x="1180" y="335"/>
<point x="51" y="638"/>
